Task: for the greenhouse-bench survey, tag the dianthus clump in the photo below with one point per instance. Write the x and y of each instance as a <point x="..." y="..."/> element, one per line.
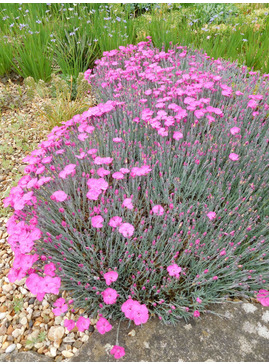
<point x="151" y="203"/>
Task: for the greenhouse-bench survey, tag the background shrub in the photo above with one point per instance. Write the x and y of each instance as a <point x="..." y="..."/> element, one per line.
<point x="70" y="37"/>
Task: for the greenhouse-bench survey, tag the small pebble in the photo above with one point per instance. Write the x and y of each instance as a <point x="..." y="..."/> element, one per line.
<point x="7" y="288"/>
<point x="45" y="304"/>
<point x="53" y="351"/>
<point x="58" y="320"/>
<point x="23" y="321"/>
<point x="85" y="338"/>
<point x="59" y="358"/>
<point x="67" y="354"/>
<point x="23" y="290"/>
<point x="16" y="333"/>
<point x="10" y="348"/>
<point x="78" y="344"/>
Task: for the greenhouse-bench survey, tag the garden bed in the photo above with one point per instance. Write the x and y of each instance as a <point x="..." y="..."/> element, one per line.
<point x="211" y="254"/>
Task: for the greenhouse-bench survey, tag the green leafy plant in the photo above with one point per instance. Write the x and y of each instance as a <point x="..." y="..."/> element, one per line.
<point x="17" y="304"/>
<point x="35" y="340"/>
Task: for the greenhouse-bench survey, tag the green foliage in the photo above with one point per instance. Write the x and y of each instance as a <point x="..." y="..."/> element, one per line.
<point x="76" y="52"/>
<point x="217" y="13"/>
<point x="5" y="56"/>
<point x="136" y="9"/>
<point x="35" y="340"/>
<point x="32" y="57"/>
<point x="17" y="304"/>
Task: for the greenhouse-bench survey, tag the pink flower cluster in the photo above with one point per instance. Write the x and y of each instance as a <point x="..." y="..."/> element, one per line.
<point x="133" y="310"/>
<point x="61" y="307"/>
<point x="82" y="324"/>
<point x="126" y="229"/>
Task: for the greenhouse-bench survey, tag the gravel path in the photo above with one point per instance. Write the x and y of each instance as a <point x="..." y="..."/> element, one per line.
<point x="25" y="323"/>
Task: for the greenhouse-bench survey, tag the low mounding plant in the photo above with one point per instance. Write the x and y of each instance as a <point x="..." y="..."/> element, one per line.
<point x="155" y="201"/>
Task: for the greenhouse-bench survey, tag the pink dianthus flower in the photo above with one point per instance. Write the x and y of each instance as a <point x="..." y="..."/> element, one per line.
<point x="103" y="326"/>
<point x="97" y="221"/>
<point x="128" y="203"/>
<point x="110" y="296"/>
<point x="196" y="313"/>
<point x="118" y="175"/>
<point x="126" y="229"/>
<point x="234" y="157"/>
<point x="124" y="170"/>
<point x="235" y="130"/>
<point x="115" y="221"/>
<point x="263" y="297"/>
<point x="110" y="277"/>
<point x="158" y="210"/>
<point x="174" y="270"/>
<point x="83" y="323"/>
<point x="61" y="307"/>
<point x="69" y="324"/>
<point x="49" y="269"/>
<point x="59" y="196"/>
<point x="128" y="308"/>
<point x="117" y="351"/>
<point x="141" y="314"/>
<point x="102" y="172"/>
<point x="105" y="160"/>
<point x="211" y="215"/>
<point x="118" y="140"/>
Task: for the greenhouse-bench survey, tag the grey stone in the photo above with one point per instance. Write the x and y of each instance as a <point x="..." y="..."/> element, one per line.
<point x="234" y="334"/>
<point x="78" y="344"/>
<point x="231" y="335"/>
<point x="27" y="356"/>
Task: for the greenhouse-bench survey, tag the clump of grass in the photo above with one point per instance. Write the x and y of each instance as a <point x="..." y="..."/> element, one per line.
<point x="6" y="54"/>
<point x="62" y="98"/>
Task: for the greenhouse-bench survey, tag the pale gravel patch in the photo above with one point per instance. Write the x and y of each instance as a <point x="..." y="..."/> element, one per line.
<point x="245" y="346"/>
<point x="265" y="316"/>
<point x="188" y="327"/>
<point x="248" y="327"/>
<point x="228" y="315"/>
<point x="146" y="344"/>
<point x="108" y="347"/>
<point x="263" y="331"/>
<point x="249" y="307"/>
